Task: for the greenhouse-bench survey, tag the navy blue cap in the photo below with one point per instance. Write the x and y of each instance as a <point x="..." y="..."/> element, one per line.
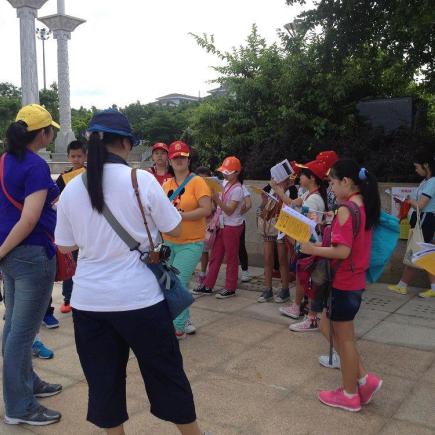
<point x="112" y="121"/>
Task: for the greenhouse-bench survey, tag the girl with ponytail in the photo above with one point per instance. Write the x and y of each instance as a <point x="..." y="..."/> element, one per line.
<point x="350" y="255"/>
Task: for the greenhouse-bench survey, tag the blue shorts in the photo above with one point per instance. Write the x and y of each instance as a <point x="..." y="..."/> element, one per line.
<point x="344" y="304"/>
<point x="103" y="341"/>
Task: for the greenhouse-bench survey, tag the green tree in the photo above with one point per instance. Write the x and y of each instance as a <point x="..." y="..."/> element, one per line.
<point x="404" y="31"/>
<point x="49" y="98"/>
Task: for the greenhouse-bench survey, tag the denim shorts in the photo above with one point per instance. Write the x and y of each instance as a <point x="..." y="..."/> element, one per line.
<point x="103" y="341"/>
<point x="344" y="304"/>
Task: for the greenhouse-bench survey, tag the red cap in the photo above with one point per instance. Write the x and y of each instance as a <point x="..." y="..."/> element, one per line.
<point x="160" y="146"/>
<point x="329" y="157"/>
<point x="296" y="168"/>
<point x="178" y="149"/>
<point x="317" y="167"/>
<point x="230" y="165"/>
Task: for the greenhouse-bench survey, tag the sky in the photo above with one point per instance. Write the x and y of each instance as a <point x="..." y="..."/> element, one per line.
<point x="138" y="50"/>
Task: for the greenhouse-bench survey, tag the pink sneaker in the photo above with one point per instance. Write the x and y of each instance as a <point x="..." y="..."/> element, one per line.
<point x="369" y="389"/>
<point x="337" y="399"/>
<point x="292" y="311"/>
<point x="307" y="325"/>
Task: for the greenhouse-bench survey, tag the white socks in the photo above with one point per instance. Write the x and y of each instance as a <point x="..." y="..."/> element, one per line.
<point x="362" y="381"/>
<point x="402" y="284"/>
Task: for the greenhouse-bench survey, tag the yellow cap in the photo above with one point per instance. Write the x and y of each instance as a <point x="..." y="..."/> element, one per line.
<point x="36" y="117"/>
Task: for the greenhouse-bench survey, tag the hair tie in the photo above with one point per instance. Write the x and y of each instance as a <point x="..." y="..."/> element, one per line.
<point x="362" y="174"/>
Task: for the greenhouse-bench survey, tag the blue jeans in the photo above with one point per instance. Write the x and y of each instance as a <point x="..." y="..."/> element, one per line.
<point x="67" y="285"/>
<point x="28" y="277"/>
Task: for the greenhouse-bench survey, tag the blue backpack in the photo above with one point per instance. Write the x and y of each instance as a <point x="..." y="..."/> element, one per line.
<point x="384" y="240"/>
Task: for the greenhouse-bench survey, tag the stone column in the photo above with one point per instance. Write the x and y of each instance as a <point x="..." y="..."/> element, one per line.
<point x="65" y="135"/>
<point x="62" y="25"/>
<point x="27" y="11"/>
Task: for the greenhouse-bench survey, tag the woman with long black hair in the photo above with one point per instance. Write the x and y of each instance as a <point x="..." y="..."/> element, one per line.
<point x="117" y="302"/>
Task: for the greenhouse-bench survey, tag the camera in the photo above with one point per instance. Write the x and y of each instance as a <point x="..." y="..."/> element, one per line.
<point x="160" y="254"/>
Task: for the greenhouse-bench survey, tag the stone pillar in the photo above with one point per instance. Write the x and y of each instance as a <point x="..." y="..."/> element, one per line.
<point x="62" y="25"/>
<point x="65" y="135"/>
<point x="27" y="11"/>
<point x="29" y="69"/>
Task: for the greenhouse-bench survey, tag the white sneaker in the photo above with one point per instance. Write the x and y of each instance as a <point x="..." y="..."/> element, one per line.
<point x="324" y="361"/>
<point x="189" y="327"/>
<point x="245" y="277"/>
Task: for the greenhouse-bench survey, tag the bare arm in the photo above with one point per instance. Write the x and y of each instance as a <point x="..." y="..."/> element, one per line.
<point x="204" y="210"/>
<point x="421" y="203"/>
<point x="247" y="205"/>
<point x="30" y="215"/>
<point x="229" y="208"/>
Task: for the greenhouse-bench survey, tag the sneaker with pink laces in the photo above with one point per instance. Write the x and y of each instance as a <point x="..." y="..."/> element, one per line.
<point x="309" y="324"/>
<point x="337" y="399"/>
<point x="292" y="311"/>
<point x="369" y="389"/>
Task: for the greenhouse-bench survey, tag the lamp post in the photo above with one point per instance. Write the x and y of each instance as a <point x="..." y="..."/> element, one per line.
<point x="43" y="34"/>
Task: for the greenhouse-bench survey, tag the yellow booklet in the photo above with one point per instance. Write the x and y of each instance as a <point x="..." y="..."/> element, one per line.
<point x="214" y="184"/>
<point x="68" y="176"/>
<point x="425" y="259"/>
<point x="295" y="225"/>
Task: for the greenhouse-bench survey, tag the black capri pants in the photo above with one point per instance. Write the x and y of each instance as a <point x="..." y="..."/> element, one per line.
<point x="103" y="341"/>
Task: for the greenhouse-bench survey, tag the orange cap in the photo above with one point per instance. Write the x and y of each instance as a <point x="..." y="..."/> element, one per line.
<point x="178" y="149"/>
<point x="230" y="165"/>
<point x="329" y="157"/>
<point x="317" y="167"/>
<point x="160" y="146"/>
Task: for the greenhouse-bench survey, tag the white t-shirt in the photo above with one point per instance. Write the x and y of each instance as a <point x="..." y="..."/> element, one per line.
<point x="233" y="193"/>
<point x="313" y="201"/>
<point x="109" y="276"/>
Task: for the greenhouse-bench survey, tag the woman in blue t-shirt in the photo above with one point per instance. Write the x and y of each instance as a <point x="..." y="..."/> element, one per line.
<point x="27" y="261"/>
<point x="424" y="163"/>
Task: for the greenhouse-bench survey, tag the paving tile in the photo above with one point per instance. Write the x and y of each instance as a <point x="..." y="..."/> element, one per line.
<point x="419" y="406"/>
<point x="230" y="305"/>
<point x="367" y="319"/>
<point x="243" y="330"/>
<point x="310" y="417"/>
<point x="429" y="375"/>
<point x="201" y="317"/>
<point x="394" y="360"/>
<point x="417" y="337"/>
<point x="266" y="311"/>
<point x="224" y="399"/>
<point x="65" y="361"/>
<point x="286" y="361"/>
<point x="382" y="300"/>
<point x="202" y="353"/>
<point x="419" y="308"/>
<point x="396" y="427"/>
<point x="411" y="320"/>
<point x="57" y="339"/>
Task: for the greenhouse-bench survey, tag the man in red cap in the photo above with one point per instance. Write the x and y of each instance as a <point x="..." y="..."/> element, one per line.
<point x="160" y="158"/>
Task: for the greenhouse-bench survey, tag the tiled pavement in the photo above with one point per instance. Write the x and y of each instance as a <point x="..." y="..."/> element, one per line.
<point x="251" y="376"/>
